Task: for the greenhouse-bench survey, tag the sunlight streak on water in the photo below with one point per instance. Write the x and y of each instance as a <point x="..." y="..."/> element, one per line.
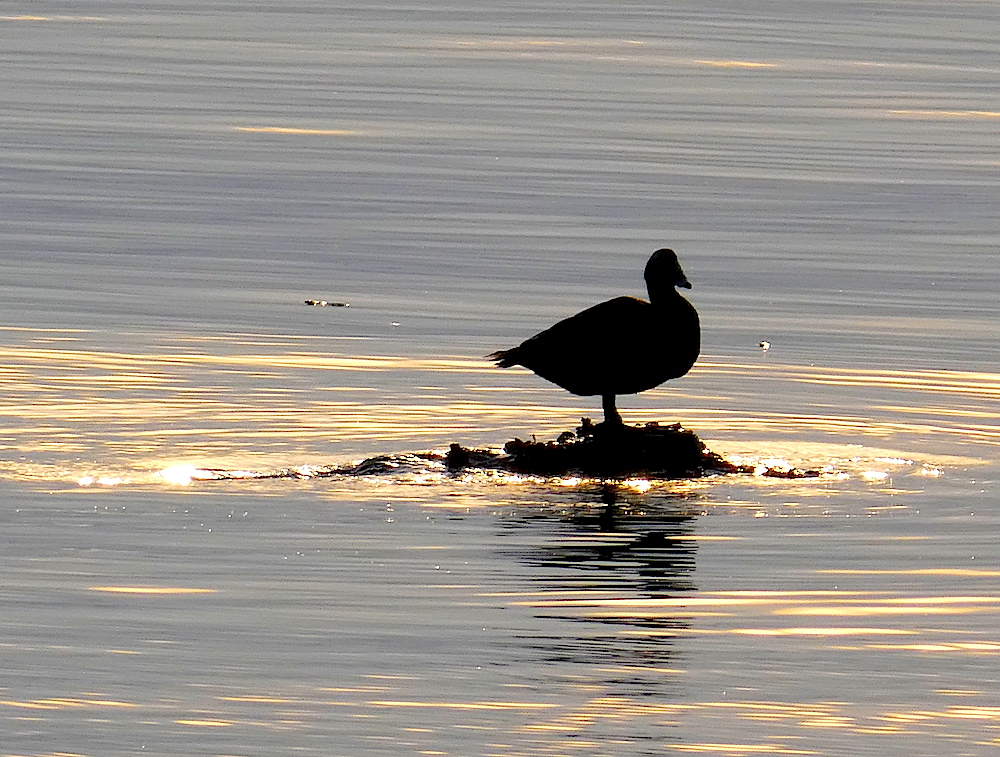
<point x="150" y="590"/>
<point x="296" y="131"/>
<point x="770" y="612"/>
<point x="144" y="409"/>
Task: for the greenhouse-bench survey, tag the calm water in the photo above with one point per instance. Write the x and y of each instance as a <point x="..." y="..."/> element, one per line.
<point x="177" y="178"/>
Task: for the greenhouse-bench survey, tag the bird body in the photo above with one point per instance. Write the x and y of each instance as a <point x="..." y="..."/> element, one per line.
<point x="621" y="346"/>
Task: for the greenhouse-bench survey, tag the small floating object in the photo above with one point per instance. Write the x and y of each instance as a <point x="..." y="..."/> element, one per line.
<point x="325" y="304"/>
<point x="764" y="346"/>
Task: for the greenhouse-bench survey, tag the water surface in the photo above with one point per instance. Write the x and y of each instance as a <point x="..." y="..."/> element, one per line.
<point x="178" y="178"/>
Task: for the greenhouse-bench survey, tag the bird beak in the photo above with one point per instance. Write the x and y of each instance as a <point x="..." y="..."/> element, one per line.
<point x="683" y="282"/>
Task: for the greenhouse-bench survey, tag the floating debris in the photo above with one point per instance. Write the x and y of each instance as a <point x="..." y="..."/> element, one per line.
<point x="764" y="346"/>
<point x="613" y="451"/>
<point x="325" y="304"/>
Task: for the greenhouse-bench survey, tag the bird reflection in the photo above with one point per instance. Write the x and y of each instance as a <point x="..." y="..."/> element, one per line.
<point x="646" y="551"/>
<point x="598" y="545"/>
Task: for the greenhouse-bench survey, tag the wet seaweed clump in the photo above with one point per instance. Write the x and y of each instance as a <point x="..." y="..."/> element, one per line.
<point x="604" y="450"/>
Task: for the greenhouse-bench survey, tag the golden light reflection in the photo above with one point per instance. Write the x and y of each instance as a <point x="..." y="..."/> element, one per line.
<point x="67" y="703"/>
<point x="729" y="726"/>
<point x="827" y="631"/>
<point x="957" y="572"/>
<point x="795" y="720"/>
<point x="957" y="712"/>
<point x="705" y="599"/>
<point x="464" y="705"/>
<point x="831" y="631"/>
<point x="613" y="51"/>
<point x="257" y="699"/>
<point x="946" y="114"/>
<point x="765" y="614"/>
<point x="526" y="43"/>
<point x="52" y="18"/>
<point x="100" y="481"/>
<point x="205" y="723"/>
<point x="355" y="689"/>
<point x="293" y="130"/>
<point x="638" y="670"/>
<point x="640" y="485"/>
<point x="150" y="590"/>
<point x="734" y="64"/>
<point x="193" y="407"/>
<point x="959" y="646"/>
<point x="181" y="475"/>
<point x="973" y="383"/>
<point x="916" y="604"/>
<point x="738" y="749"/>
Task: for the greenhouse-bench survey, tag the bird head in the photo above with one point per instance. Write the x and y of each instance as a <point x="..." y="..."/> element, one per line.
<point x="663" y="268"/>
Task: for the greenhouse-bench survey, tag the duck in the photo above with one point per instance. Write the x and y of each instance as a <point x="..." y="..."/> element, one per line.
<point x="624" y="345"/>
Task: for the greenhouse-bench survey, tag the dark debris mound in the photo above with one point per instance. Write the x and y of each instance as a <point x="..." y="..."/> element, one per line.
<point x="610" y="451"/>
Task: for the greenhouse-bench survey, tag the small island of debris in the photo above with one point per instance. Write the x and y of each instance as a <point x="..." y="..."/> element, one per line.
<point x="601" y="451"/>
<point x="612" y="451"/>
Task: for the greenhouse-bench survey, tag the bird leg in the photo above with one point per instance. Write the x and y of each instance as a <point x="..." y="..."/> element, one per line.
<point x="611" y="415"/>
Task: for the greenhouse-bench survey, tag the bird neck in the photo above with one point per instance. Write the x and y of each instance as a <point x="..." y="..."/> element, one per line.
<point x="660" y="293"/>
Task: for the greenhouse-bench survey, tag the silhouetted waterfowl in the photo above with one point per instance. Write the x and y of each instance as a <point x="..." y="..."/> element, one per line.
<point x="621" y="346"/>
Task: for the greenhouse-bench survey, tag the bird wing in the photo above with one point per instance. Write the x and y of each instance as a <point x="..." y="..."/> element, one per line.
<point x="596" y="328"/>
<point x="579" y="353"/>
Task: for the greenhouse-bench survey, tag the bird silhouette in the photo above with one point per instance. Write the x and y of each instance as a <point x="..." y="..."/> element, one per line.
<point x="621" y="346"/>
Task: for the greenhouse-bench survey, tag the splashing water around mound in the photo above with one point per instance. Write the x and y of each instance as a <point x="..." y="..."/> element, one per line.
<point x="594" y="451"/>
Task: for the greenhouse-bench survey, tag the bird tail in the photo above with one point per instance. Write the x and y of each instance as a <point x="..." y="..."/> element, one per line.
<point x="504" y="358"/>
